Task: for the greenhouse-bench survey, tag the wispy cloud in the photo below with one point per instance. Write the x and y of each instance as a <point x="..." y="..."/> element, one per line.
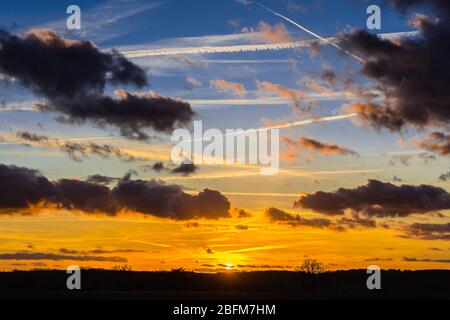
<point x="98" y="22"/>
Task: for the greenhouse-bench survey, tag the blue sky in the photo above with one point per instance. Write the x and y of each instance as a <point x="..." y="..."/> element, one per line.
<point x="128" y="25"/>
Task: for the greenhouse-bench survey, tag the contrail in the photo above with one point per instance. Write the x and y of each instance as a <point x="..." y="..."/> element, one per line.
<point x="308" y="121"/>
<point x="244" y="48"/>
<point x="287" y="125"/>
<point x="312" y="33"/>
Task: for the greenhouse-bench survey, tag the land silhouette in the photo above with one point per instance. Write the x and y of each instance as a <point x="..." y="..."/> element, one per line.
<point x="258" y="285"/>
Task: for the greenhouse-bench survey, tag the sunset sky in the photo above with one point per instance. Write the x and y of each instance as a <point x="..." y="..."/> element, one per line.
<point x="78" y="181"/>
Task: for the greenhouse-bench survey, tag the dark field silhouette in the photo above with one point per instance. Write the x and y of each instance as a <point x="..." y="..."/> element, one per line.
<point x="274" y="285"/>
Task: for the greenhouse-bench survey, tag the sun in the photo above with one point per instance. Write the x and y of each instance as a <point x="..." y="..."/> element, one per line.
<point x="229" y="266"/>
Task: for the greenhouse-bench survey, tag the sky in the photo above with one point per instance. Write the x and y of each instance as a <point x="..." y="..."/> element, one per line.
<point x="79" y="138"/>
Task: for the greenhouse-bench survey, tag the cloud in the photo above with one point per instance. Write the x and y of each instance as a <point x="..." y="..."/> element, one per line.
<point x="425" y="260"/>
<point x="105" y="180"/>
<point x="169" y="201"/>
<point x="282" y="217"/>
<point x="99" y="251"/>
<point x="75" y="150"/>
<point x="241" y="227"/>
<point x="294" y="147"/>
<point x="158" y="166"/>
<point x="22" y="187"/>
<point x="224" y="85"/>
<point x="279" y="216"/>
<point x="378" y="199"/>
<point x="408" y="71"/>
<point x="193" y="81"/>
<point x="57" y="257"/>
<point x="445" y="176"/>
<point x="33" y="137"/>
<point x="240" y="213"/>
<point x="101" y="179"/>
<point x="378" y="259"/>
<point x="294" y="95"/>
<point x="437" y="142"/>
<point x="271" y="34"/>
<point x="403" y="159"/>
<point x="185" y="169"/>
<point x="53" y="66"/>
<point x="428" y="231"/>
<point x="72" y="75"/>
<point x="104" y="22"/>
<point x="261" y="266"/>
<point x="131" y="113"/>
<point x="244" y="2"/>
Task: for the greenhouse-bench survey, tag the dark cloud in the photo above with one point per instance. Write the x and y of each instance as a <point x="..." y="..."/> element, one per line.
<point x="412" y="259"/>
<point x="53" y="66"/>
<point x="240" y="213"/>
<point x="33" y="137"/>
<point x="209" y="251"/>
<point x="131" y="113"/>
<point x="72" y="75"/>
<point x="21" y="187"/>
<point x="169" y="201"/>
<point x="99" y="251"/>
<point x="428" y="231"/>
<point x="101" y="179"/>
<point x="241" y="227"/>
<point x="437" y="142"/>
<point x="261" y="266"/>
<point x="403" y="159"/>
<point x="442" y="6"/>
<point x="342" y="224"/>
<point x="57" y="257"/>
<point x="445" y="176"/>
<point x="329" y="76"/>
<point x="355" y="222"/>
<point x="185" y="169"/>
<point x="378" y="199"/>
<point x="158" y="167"/>
<point x="378" y="259"/>
<point x="427" y="157"/>
<point x="77" y="151"/>
<point x="412" y="73"/>
<point x="279" y="216"/>
<point x="192" y="225"/>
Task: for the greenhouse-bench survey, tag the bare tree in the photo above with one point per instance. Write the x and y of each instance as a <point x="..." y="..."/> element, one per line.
<point x="312" y="266"/>
<point x="124" y="267"/>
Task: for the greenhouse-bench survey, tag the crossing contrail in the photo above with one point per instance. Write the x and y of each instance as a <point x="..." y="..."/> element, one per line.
<point x="327" y="41"/>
